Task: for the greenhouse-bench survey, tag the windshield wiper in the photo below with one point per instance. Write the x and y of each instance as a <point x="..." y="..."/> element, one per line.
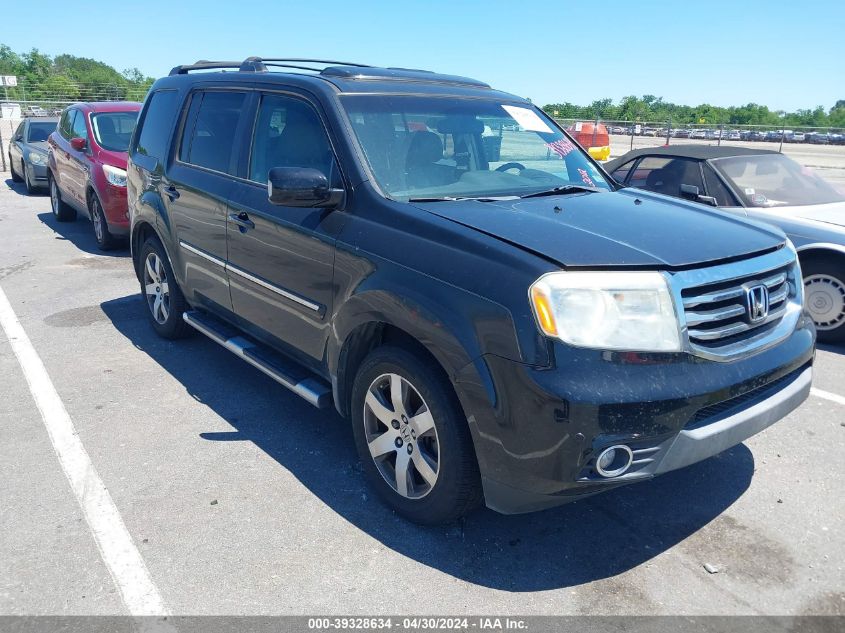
<point x="455" y="199"/>
<point x="563" y="190"/>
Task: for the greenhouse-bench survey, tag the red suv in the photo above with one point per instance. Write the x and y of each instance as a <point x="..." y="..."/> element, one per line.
<point x="87" y="166"/>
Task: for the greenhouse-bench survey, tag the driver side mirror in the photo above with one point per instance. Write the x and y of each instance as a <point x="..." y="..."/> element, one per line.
<point x="79" y="144"/>
<point x="690" y="192"/>
<point x="302" y="187"/>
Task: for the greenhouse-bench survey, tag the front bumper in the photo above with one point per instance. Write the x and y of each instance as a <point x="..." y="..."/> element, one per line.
<point x="37" y="174"/>
<point x="537" y="432"/>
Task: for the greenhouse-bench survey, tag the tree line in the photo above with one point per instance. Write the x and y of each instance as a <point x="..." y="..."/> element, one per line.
<point x="68" y="78"/>
<point x="651" y="108"/>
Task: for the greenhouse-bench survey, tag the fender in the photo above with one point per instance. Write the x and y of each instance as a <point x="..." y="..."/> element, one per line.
<point x="151" y="211"/>
<point x="819" y="246"/>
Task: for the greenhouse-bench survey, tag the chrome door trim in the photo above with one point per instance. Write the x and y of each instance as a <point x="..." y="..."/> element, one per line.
<point x="272" y="288"/>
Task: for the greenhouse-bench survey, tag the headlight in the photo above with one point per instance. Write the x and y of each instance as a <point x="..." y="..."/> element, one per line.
<point x="36" y="158"/>
<point x="115" y="175"/>
<point x="607" y="310"/>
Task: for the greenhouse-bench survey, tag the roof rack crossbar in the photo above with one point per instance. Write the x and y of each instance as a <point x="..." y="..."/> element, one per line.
<point x="312" y="61"/>
<point x="203" y="65"/>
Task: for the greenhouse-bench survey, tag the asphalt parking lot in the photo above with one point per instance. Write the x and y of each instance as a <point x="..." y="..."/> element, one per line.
<point x="243" y="499"/>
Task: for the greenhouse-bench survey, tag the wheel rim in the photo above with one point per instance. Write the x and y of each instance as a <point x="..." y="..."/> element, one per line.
<point x="97" y="217"/>
<point x="156" y="288"/>
<point x="400" y="433"/>
<point x="54" y="197"/>
<point x="825" y="300"/>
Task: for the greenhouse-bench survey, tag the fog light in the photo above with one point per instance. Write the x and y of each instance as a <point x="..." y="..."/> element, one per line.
<point x="614" y="461"/>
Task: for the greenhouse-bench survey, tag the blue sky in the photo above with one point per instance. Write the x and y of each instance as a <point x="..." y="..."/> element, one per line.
<point x="786" y="55"/>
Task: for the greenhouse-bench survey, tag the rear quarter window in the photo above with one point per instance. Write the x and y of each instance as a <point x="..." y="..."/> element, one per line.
<point x="156" y="124"/>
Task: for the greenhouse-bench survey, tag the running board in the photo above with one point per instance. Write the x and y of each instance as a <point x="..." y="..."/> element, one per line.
<point x="283" y="371"/>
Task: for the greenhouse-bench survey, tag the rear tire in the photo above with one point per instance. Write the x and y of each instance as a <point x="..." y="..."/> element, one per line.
<point x="15" y="176"/>
<point x="824" y="297"/>
<point x="165" y="304"/>
<point x="417" y="452"/>
<point x="105" y="240"/>
<point x="62" y="211"/>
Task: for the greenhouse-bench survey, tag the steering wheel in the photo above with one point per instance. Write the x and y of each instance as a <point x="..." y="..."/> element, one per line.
<point x="507" y="166"/>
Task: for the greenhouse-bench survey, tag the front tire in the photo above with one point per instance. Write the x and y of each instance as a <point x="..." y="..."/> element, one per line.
<point x="30" y="188"/>
<point x="164" y="300"/>
<point x="105" y="240"/>
<point x="413" y="438"/>
<point x="824" y="297"/>
<point x="62" y="211"/>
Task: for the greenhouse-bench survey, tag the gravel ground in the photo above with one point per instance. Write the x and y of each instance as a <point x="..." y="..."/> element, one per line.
<point x="242" y="499"/>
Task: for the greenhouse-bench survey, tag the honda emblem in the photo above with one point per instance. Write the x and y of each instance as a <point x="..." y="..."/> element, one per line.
<point x="757" y="303"/>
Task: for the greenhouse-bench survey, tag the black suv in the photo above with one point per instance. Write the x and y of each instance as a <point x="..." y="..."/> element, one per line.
<point x="440" y="262"/>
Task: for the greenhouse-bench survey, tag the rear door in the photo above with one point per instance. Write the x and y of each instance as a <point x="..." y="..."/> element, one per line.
<point x="60" y="142"/>
<point x="15" y="153"/>
<point x="281" y="259"/>
<point x="76" y="169"/>
<point x="196" y="188"/>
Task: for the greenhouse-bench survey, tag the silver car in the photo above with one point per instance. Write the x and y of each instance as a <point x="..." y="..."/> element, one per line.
<point x="761" y="185"/>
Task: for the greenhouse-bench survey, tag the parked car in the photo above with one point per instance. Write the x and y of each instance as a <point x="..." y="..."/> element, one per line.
<point x="28" y="152"/>
<point x="497" y="322"/>
<point x="681" y="133"/>
<point x="733" y="135"/>
<point x="818" y="138"/>
<point x="754" y="135"/>
<point x="87" y="166"/>
<point x="36" y="111"/>
<point x="767" y="186"/>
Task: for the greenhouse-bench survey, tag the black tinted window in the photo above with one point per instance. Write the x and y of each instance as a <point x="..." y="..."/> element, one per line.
<point x="288" y="133"/>
<point x="157" y="124"/>
<point x="209" y="138"/>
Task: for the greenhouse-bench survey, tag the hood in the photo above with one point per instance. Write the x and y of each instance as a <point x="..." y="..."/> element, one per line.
<point x="612" y="229"/>
<point x="40" y="146"/>
<point x="116" y="159"/>
<point x="830" y="213"/>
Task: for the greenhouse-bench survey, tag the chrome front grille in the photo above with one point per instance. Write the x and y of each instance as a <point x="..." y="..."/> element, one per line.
<point x="715" y="309"/>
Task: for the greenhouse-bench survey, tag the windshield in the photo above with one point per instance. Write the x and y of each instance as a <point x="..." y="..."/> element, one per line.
<point x="114" y="129"/>
<point x="38" y="132"/>
<point x="773" y="180"/>
<point x="442" y="148"/>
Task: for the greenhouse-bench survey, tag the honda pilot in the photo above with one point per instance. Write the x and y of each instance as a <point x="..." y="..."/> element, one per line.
<point x="444" y="266"/>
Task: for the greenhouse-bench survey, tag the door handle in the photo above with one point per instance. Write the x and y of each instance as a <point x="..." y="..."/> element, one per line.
<point x="171" y="192"/>
<point x="242" y="220"/>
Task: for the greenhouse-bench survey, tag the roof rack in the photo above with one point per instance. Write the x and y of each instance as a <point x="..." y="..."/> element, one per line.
<point x="259" y="64"/>
<point x="331" y="68"/>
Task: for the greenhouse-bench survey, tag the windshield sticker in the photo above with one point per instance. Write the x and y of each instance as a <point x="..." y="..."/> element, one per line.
<point x="527" y="119"/>
<point x="562" y="147"/>
<point x="586" y="177"/>
<point x="749" y="191"/>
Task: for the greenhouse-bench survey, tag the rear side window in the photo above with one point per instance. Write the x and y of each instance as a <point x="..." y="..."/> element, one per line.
<point x="209" y="139"/>
<point x="157" y="124"/>
<point x="621" y="172"/>
<point x="666" y="176"/>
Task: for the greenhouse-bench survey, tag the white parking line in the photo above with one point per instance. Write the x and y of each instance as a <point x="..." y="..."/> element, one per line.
<point x="119" y="553"/>
<point x="827" y="395"/>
